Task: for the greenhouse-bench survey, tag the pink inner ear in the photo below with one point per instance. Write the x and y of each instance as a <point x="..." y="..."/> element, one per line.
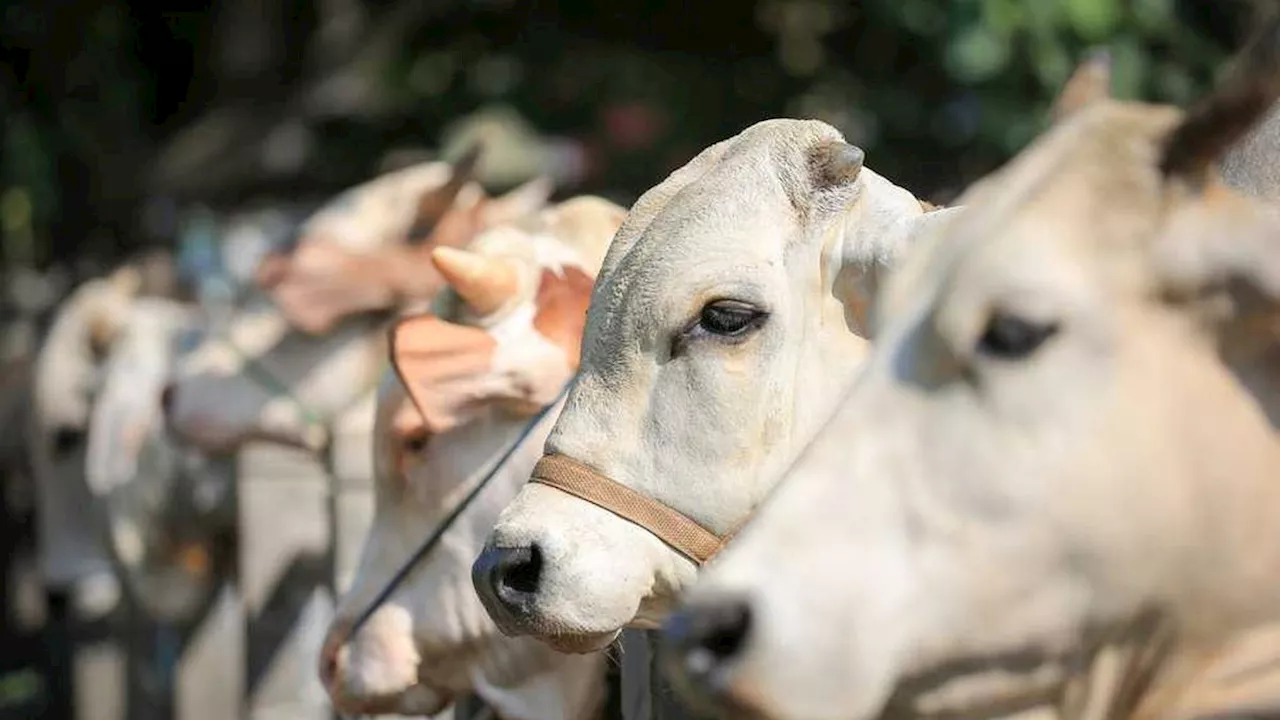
<point x="444" y="366"/>
<point x="322" y="283"/>
<point x="562" y="310"/>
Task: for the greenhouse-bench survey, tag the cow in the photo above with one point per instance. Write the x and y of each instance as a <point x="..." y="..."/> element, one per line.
<point x="365" y="250"/>
<point x="1054" y="484"/>
<point x="164" y="508"/>
<point x="729" y="311"/>
<point x="469" y="378"/>
<point x="286" y="365"/>
<point x="65" y="382"/>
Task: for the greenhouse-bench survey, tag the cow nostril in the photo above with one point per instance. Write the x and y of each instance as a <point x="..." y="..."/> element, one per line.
<point x="328" y="668"/>
<point x="329" y="657"/>
<point x="727" y="632"/>
<point x="166" y="399"/>
<point x="521" y="571"/>
<point x="705" y="637"/>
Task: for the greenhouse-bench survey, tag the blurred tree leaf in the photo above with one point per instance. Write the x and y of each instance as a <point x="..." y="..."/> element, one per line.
<point x="1153" y="16"/>
<point x="1128" y="67"/>
<point x="1003" y="17"/>
<point x="977" y="54"/>
<point x="1093" y="20"/>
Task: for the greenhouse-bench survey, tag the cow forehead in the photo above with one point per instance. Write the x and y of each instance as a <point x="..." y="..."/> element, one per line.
<point x="706" y="237"/>
<point x="1087" y="194"/>
<point x="749" y="189"/>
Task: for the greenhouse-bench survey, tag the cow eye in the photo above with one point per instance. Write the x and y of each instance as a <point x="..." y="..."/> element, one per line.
<point x="416" y="442"/>
<point x="1010" y="337"/>
<point x="729" y="318"/>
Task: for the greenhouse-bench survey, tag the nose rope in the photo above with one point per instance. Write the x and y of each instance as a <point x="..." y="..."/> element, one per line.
<point x="685" y="535"/>
<point x="433" y="539"/>
<point x="261" y="375"/>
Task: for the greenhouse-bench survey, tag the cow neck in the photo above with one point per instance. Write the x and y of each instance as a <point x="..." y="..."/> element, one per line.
<point x="1138" y="671"/>
<point x="1108" y="677"/>
<point x="261" y="375"/>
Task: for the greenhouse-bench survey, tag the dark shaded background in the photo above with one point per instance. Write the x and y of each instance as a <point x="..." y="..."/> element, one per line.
<point x="112" y="107"/>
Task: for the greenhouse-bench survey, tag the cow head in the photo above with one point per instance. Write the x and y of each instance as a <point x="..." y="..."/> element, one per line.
<point x="502" y="343"/>
<point x="729" y="312"/>
<point x="261" y="379"/>
<point x="282" y="372"/>
<point x="1051" y="445"/>
<point x="368" y="249"/>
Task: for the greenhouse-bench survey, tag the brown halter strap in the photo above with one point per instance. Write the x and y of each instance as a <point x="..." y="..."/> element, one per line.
<point x="670" y="526"/>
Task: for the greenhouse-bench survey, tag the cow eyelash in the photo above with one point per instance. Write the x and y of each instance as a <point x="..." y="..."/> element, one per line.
<point x="1010" y="337"/>
<point x="724" y="320"/>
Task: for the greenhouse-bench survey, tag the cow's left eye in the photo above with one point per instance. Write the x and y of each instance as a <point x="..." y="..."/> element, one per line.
<point x="730" y="318"/>
<point x="1010" y="337"/>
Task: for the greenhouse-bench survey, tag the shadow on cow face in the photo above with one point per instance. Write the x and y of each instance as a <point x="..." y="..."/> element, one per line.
<point x="1049" y="441"/>
<point x="721" y="325"/>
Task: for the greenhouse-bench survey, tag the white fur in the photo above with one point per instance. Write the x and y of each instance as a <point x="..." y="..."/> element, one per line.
<point x="960" y="506"/>
<point x="707" y="432"/>
<point x="456" y="648"/>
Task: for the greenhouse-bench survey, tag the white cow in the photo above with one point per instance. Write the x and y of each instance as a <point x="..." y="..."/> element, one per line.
<point x="65" y="383"/>
<point x="164" y="506"/>
<point x="1050" y="485"/>
<point x="367" y="249"/>
<point x="502" y="345"/>
<point x="729" y="312"/>
<point x="283" y="370"/>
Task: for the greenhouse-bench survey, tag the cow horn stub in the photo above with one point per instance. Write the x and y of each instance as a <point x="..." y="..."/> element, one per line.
<point x="465" y="167"/>
<point x="1090" y="83"/>
<point x="485" y="284"/>
<point x="836" y="163"/>
<point x="436" y="201"/>
<point x="1230" y="111"/>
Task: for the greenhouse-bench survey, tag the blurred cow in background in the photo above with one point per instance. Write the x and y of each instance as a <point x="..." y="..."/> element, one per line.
<point x="283" y="370"/>
<point x="66" y="380"/>
<point x="501" y="345"/>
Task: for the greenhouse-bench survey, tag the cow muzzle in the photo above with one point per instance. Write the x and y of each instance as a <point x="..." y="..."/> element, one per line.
<point x="507" y="579"/>
<point x="375" y="670"/>
<point x="703" y="642"/>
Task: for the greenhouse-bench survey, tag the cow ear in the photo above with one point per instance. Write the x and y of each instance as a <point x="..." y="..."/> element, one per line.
<point x="835" y="164"/>
<point x="458" y="226"/>
<point x="1223" y="245"/>
<point x="520" y="202"/>
<point x="272" y="269"/>
<point x="561" y="313"/>
<point x="1221" y="250"/>
<point x="127" y="281"/>
<point x="1090" y="83"/>
<point x="446" y="368"/>
<point x="434" y="203"/>
<point x="1193" y="149"/>
<point x="1218" y="263"/>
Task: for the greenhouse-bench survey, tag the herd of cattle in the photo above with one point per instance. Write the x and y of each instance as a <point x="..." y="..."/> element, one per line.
<point x="1014" y="458"/>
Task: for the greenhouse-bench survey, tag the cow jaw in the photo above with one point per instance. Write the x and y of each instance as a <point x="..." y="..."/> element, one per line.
<point x="603" y="576"/>
<point x="703" y="424"/>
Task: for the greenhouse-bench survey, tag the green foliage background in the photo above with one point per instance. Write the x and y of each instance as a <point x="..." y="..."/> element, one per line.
<point x="95" y="94"/>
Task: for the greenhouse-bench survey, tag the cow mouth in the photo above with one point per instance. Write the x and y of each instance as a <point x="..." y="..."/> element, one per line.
<point x="722" y="696"/>
<point x="580" y="643"/>
<point x="423" y="699"/>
